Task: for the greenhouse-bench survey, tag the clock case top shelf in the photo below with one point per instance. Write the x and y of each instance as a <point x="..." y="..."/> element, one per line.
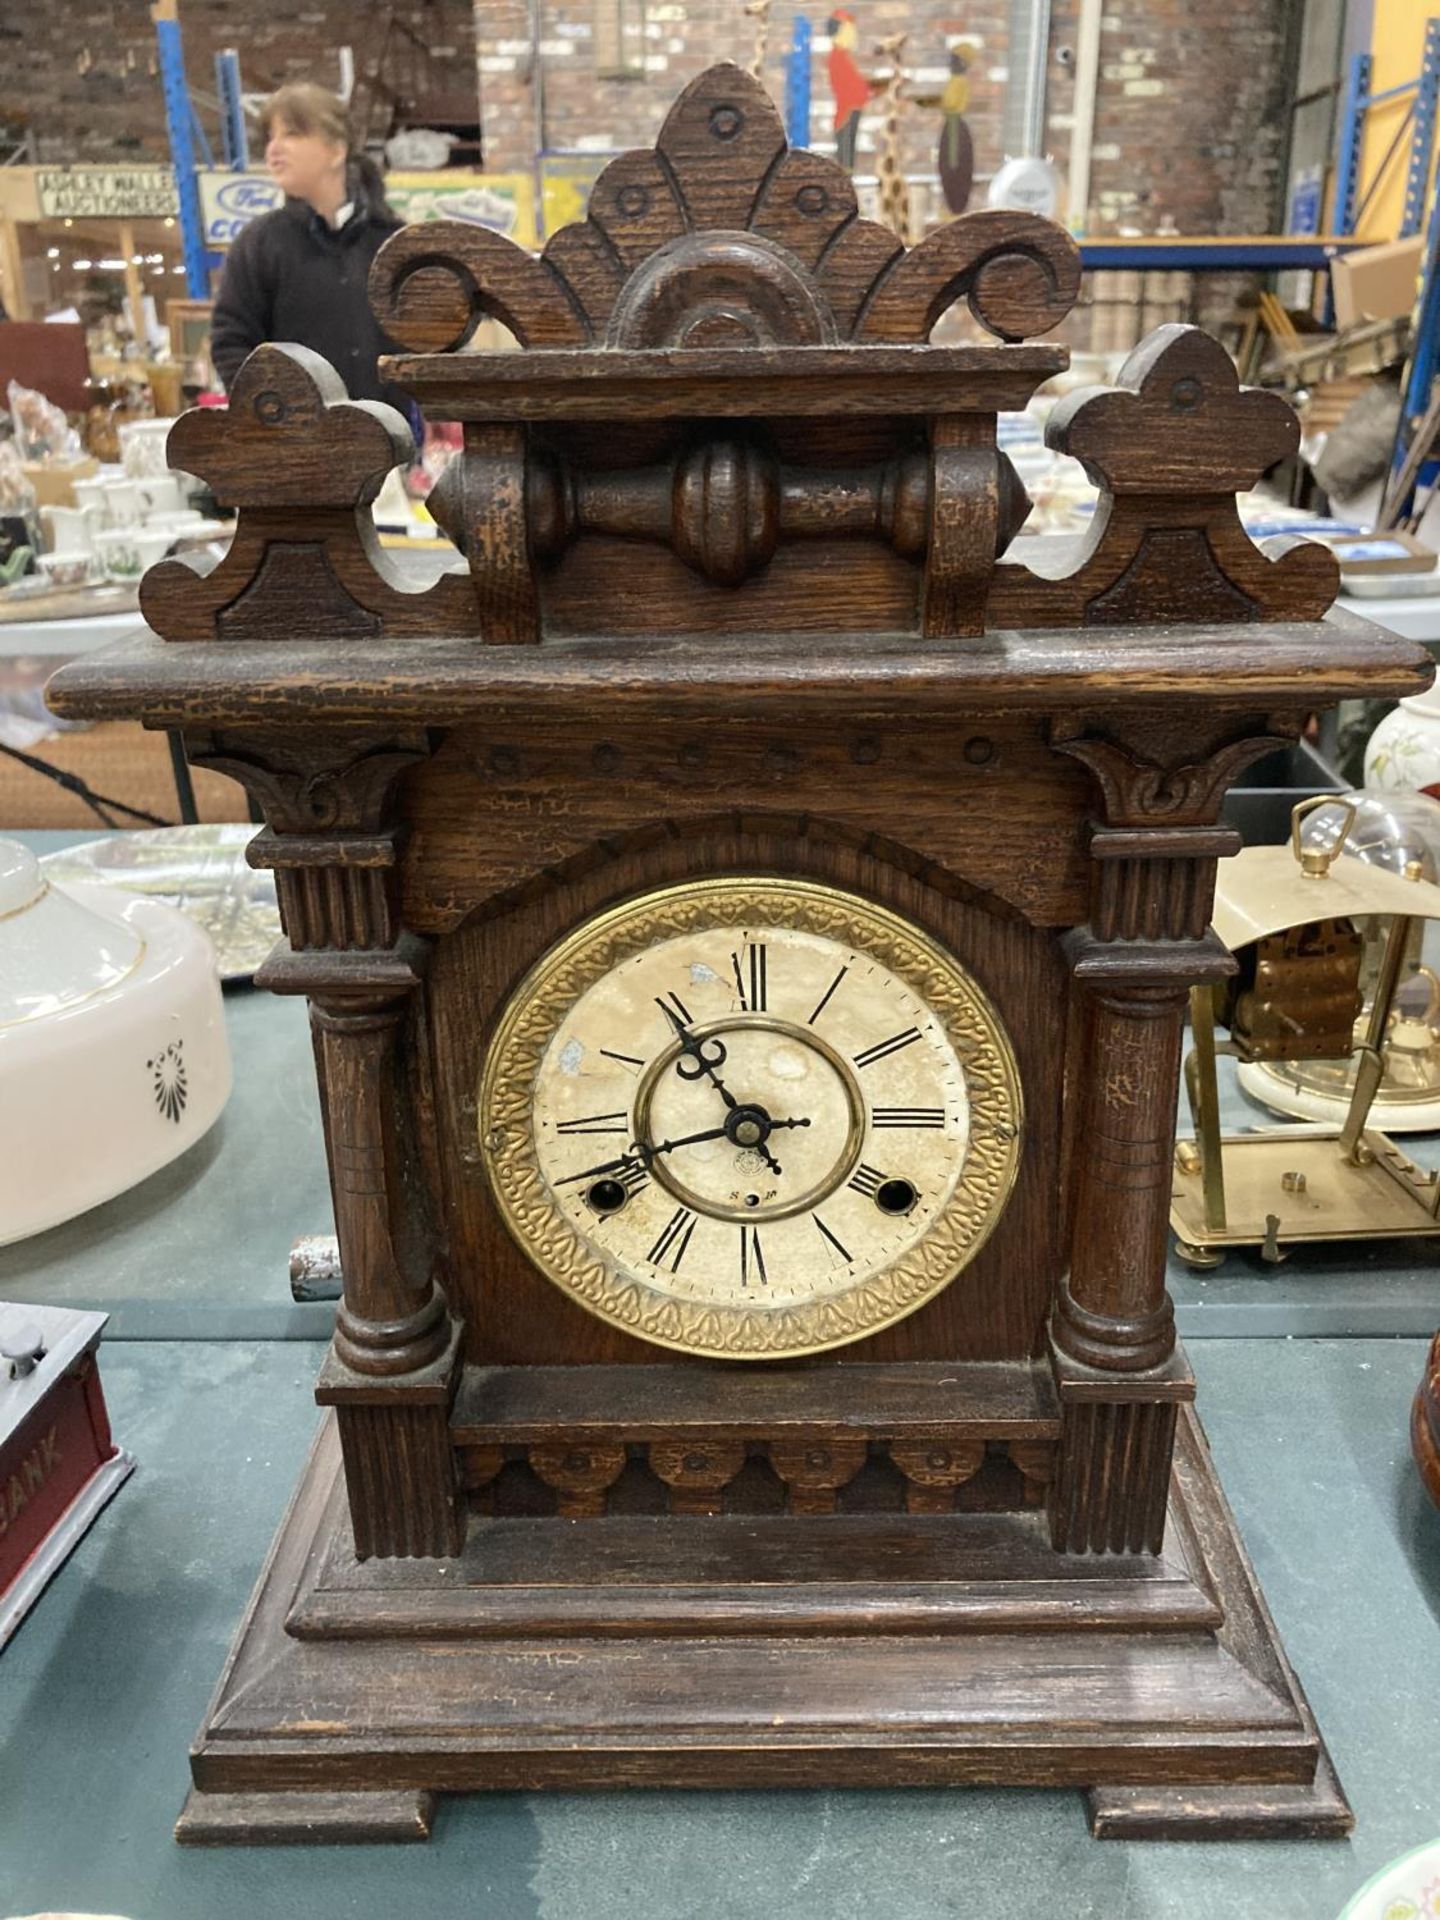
<point x="740" y="592"/>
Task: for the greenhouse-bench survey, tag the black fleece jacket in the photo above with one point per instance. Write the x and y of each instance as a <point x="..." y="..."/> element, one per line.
<point x="289" y="276"/>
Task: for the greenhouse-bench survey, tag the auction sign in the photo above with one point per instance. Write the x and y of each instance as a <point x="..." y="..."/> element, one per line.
<point x="106" y="193"/>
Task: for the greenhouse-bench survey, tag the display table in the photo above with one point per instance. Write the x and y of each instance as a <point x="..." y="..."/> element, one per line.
<point x="107" y="1680"/>
<point x="1413" y="617"/>
<point x="64" y="639"/>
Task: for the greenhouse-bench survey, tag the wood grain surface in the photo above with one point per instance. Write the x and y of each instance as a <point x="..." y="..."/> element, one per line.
<point x="1303" y="665"/>
<point x="514" y="1316"/>
<point x="390" y="1709"/>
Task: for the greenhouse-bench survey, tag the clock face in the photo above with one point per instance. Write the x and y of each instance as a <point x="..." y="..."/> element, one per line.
<point x="750" y="1118"/>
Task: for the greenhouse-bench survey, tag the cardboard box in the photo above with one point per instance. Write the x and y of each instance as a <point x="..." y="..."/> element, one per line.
<point x="1376" y="283"/>
<point x="54" y="480"/>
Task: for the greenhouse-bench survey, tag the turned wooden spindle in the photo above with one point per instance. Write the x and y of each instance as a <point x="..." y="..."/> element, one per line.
<point x="725" y="506"/>
<point x="392" y="1319"/>
<point x="1113" y="1311"/>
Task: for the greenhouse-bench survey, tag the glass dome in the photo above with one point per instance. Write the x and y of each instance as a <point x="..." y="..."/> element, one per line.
<point x="1390" y="830"/>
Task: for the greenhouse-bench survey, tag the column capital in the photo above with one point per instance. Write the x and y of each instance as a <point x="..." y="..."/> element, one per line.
<point x="1159" y="967"/>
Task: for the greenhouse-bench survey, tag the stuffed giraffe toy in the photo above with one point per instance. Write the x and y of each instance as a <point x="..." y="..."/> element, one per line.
<point x="894" y="194"/>
<point x="759" y="12"/>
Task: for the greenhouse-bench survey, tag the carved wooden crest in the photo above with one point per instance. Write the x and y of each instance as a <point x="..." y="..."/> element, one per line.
<point x="724" y="236"/>
<point x="1169" y="446"/>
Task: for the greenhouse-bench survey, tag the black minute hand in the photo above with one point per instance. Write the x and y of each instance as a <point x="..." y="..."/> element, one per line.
<point x="687" y="1140"/>
<point x="692" y="1139"/>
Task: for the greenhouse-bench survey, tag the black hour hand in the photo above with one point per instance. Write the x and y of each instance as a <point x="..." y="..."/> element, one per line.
<point x="698" y="1057"/>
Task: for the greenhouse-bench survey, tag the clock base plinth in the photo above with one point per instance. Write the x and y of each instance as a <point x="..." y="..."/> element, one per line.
<point x="1314" y="1811"/>
<point x="980" y="1658"/>
<point x="384" y="1817"/>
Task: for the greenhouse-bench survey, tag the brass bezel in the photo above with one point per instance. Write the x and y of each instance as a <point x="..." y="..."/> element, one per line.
<point x="538" y="1008"/>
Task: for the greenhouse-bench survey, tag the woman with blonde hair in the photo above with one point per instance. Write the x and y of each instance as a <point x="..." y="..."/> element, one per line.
<point x="300" y="272"/>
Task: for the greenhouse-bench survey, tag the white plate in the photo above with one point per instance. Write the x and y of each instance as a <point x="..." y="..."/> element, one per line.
<point x="1408" y="1889"/>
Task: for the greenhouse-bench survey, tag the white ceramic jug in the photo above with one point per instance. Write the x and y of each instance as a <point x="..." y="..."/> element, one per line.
<point x="122" y="502"/>
<point x="69" y="530"/>
<point x="128" y="552"/>
<point x="160" y="494"/>
<point x="142" y="447"/>
<point x="91" y="493"/>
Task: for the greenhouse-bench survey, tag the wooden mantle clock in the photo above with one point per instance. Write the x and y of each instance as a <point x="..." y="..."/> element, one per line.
<point x="747" y="924"/>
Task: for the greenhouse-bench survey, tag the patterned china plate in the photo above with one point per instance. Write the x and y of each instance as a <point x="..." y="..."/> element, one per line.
<point x="1408" y="1889"/>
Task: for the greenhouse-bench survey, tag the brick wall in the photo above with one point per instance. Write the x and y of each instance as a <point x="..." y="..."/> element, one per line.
<point x="1187" y="121"/>
<point x="683" y="37"/>
<point x="1187" y="124"/>
<point x="82" y="74"/>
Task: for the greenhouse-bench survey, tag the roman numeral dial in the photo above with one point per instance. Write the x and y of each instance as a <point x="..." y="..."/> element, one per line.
<point x="750" y="967"/>
<point x="882" y="1049"/>
<point x="673" y="1240"/>
<point x="750" y="1128"/>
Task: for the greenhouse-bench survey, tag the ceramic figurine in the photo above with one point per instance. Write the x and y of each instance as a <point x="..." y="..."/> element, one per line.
<point x="848" y="85"/>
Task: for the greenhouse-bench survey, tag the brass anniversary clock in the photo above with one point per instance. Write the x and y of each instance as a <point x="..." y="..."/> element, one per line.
<point x="747" y="910"/>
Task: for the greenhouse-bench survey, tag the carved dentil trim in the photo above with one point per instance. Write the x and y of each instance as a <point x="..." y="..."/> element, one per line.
<point x="594" y="950"/>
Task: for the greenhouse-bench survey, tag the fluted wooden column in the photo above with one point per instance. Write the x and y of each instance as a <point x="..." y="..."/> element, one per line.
<point x="394" y="1362"/>
<point x="1119" y="1372"/>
